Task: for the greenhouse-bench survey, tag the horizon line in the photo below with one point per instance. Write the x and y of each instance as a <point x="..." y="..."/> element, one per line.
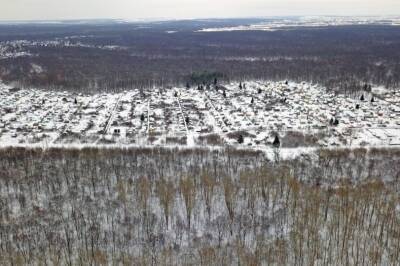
<point x="160" y="19"/>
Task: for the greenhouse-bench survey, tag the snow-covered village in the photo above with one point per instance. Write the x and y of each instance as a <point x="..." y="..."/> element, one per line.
<point x="255" y="114"/>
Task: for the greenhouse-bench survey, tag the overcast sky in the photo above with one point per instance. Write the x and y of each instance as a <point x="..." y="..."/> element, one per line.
<point x="142" y="9"/>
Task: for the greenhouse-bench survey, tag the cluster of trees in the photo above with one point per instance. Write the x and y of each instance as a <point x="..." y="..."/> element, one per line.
<point x="155" y="206"/>
<point x="204" y="78"/>
<point x="343" y="58"/>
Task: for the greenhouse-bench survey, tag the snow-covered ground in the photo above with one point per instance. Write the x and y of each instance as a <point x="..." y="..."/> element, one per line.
<point x="21" y="48"/>
<point x="251" y="114"/>
<point x="275" y="24"/>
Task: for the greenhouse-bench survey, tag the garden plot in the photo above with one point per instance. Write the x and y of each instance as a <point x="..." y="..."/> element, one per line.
<point x="249" y="113"/>
<point x="382" y="136"/>
<point x="174" y="124"/>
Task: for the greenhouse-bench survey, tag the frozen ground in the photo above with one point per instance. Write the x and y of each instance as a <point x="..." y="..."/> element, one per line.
<point x="21" y="48"/>
<point x="251" y="114"/>
<point x="309" y="21"/>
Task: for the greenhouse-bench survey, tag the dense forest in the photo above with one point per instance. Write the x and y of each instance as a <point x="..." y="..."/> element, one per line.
<point x="156" y="206"/>
<point x="114" y="56"/>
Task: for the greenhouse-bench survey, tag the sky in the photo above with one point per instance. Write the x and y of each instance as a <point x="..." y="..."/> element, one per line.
<point x="178" y="9"/>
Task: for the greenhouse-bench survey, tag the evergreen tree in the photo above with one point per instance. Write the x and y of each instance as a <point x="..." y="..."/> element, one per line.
<point x="76" y="101"/>
<point x="336" y="122"/>
<point x="362" y="97"/>
<point x="187" y="85"/>
<point x="215" y="81"/>
<point x="224" y="93"/>
<point x="357" y="106"/>
<point x="252" y="100"/>
<point x="142" y="117"/>
<point x="277" y="142"/>
<point x="187" y="120"/>
<point x="372" y="99"/>
<point x="240" y="85"/>
<point x="259" y="90"/>
<point x="240" y="139"/>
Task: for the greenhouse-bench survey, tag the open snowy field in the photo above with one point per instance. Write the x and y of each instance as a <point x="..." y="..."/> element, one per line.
<point x="309" y="21"/>
<point x="247" y="114"/>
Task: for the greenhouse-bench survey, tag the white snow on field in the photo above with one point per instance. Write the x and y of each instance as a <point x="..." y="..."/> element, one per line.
<point x="20" y="48"/>
<point x="250" y="114"/>
<point x="274" y="24"/>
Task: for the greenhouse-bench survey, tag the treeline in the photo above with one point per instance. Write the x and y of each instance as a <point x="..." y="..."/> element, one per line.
<point x="155" y="206"/>
<point x="342" y="58"/>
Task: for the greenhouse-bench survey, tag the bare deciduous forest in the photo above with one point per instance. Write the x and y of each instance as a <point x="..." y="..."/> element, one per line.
<point x="156" y="206"/>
